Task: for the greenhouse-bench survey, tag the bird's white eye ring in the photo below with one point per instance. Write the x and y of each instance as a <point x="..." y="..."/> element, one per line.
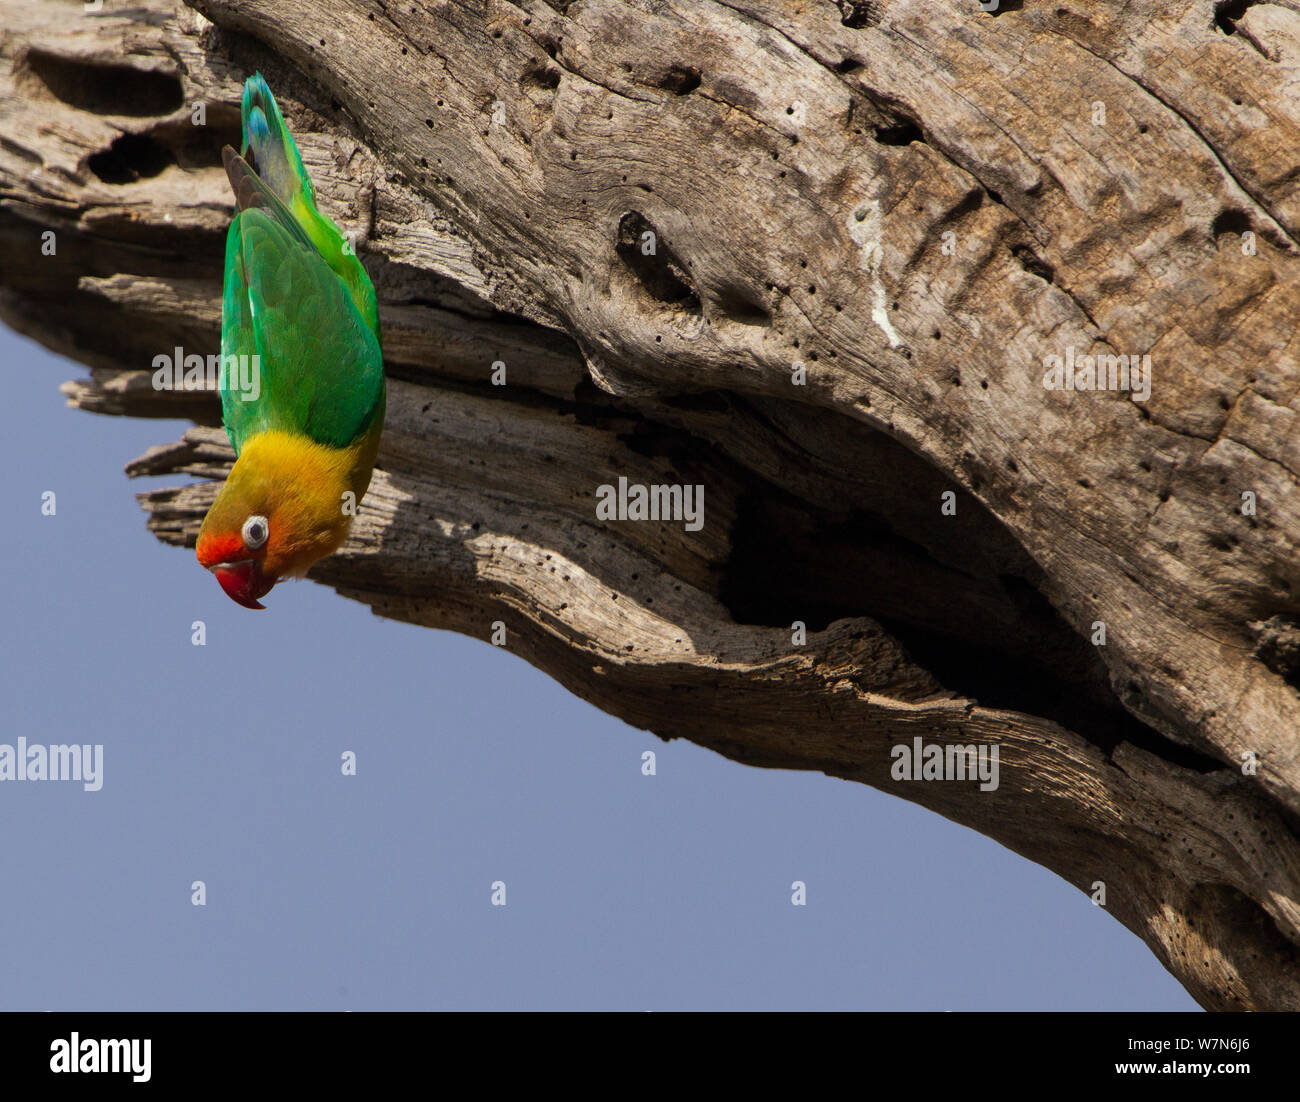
<point x="255" y="531"/>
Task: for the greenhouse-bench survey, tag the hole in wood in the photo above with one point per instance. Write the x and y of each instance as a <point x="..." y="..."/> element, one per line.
<point x="858" y="13"/>
<point x="1033" y="263"/>
<point x="1230" y="221"/>
<point x="130" y="158"/>
<point x="901" y="132"/>
<point x="680" y="80"/>
<point x="657" y="268"/>
<point x="106" y="89"/>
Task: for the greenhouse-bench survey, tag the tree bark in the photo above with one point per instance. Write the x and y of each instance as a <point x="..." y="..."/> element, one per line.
<point x="873" y="224"/>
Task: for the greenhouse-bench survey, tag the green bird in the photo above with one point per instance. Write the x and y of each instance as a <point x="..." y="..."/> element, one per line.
<point x="302" y="374"/>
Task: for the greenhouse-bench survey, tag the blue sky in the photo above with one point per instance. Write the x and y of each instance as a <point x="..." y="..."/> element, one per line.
<point x="373" y="892"/>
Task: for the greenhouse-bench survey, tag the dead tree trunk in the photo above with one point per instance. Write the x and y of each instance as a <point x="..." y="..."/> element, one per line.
<point x="816" y="259"/>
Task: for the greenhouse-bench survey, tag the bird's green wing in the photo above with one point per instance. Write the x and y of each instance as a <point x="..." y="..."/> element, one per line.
<point x="319" y="366"/>
<point x="279" y="165"/>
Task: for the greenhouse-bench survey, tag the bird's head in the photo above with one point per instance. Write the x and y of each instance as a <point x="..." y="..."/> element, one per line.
<point x="237" y="556"/>
<point x="276" y="515"/>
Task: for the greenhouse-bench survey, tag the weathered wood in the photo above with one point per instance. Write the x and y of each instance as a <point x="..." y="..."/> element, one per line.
<point x="914" y="203"/>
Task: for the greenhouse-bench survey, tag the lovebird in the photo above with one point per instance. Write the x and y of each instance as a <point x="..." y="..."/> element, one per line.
<point x="302" y="374"/>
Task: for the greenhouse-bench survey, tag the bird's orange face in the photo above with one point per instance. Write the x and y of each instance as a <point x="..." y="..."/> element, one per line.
<point x="238" y="559"/>
<point x="280" y="511"/>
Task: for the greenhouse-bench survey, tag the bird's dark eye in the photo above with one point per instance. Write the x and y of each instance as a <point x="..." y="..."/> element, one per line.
<point x="255" y="532"/>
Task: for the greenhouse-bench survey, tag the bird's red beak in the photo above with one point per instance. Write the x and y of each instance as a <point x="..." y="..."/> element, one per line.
<point x="243" y="581"/>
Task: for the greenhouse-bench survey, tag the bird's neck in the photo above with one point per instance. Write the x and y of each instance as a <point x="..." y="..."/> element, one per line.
<point x="319" y="487"/>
